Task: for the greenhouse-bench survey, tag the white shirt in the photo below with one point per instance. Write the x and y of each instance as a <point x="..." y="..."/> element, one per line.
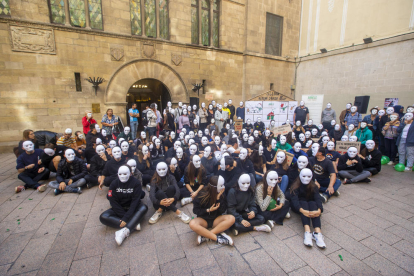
<point x="405" y="131"/>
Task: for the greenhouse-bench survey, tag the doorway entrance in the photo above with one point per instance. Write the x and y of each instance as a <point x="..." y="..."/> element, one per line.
<point x="145" y="92"/>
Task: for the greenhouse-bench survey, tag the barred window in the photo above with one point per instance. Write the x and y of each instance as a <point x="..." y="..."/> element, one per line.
<point x="274" y="32"/>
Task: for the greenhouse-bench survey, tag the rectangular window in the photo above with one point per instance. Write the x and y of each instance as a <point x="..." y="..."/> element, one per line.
<point x="205" y="23"/>
<point x="95" y="14"/>
<point x="57" y="11"/>
<point x="77" y="13"/>
<point x="274" y="31"/>
<point x="216" y="16"/>
<point x="194" y="21"/>
<point x="150" y="19"/>
<point x="78" y="82"/>
<point x="164" y="26"/>
<point x="135" y="6"/>
<point x="4" y="8"/>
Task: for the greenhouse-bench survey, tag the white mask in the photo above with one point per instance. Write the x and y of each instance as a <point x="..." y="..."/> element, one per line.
<point x="204" y="141"/>
<point x="251" y="140"/>
<point x="351" y="127"/>
<point x="200" y="133"/>
<point x="259" y="119"/>
<point x="230" y="101"/>
<point x="272" y="123"/>
<point x="213" y="102"/>
<point x="81" y="135"/>
<point x="69" y="131"/>
<point x="408" y="116"/>
<point x="333" y="122"/>
<point x="207" y="151"/>
<point x="410" y="109"/>
<point x="320" y="126"/>
<point x="244" y="182"/>
<point x="210" y="107"/>
<point x="302" y="162"/>
<point x="179" y="152"/>
<point x="337" y="127"/>
<point x="272" y="178"/>
<point x="162" y="169"/>
<point x="256" y="133"/>
<point x="206" y="132"/>
<point x="280" y="157"/>
<point x="324" y="133"/>
<point x="282" y="140"/>
<point x="172" y="135"/>
<point x="157" y="143"/>
<point x="186" y="138"/>
<point x="191" y="133"/>
<point x="370" y="144"/>
<point x="28" y="146"/>
<point x="243" y="154"/>
<point x="189" y="109"/>
<point x="328" y="105"/>
<point x="177" y="144"/>
<point x="305" y="176"/>
<point x="344" y="138"/>
<point x="185" y="111"/>
<point x="127" y="130"/>
<point x="267" y="133"/>
<point x="244" y="131"/>
<point x="220" y="184"/>
<point x="223" y="148"/>
<point x="348" y="106"/>
<point x="302" y="103"/>
<point x="297" y="123"/>
<point x="223" y="164"/>
<point x="353" y="138"/>
<point x="70" y="155"/>
<point x="169" y="104"/>
<point x="112" y="144"/>
<point x="293" y="136"/>
<point x="180" y="104"/>
<point x="302" y="137"/>
<point x="331" y="146"/>
<point x="213" y="121"/>
<point x="217" y="140"/>
<point x="390" y="110"/>
<point x="144" y="150"/>
<point x="309" y="143"/>
<point x="245" y="137"/>
<point x="393" y="117"/>
<point x="274" y="143"/>
<point x="124" y="174"/>
<point x="196" y="161"/>
<point x="241" y="103"/>
<point x="260" y="150"/>
<point x="353" y="109"/>
<point x="194" y="107"/>
<point x="310" y="122"/>
<point x="307" y="134"/>
<point x="381" y="112"/>
<point x="225" y="104"/>
<point x="227" y="126"/>
<point x="116" y="152"/>
<point x="174" y="162"/>
<point x="100" y="149"/>
<point x="374" y="112"/>
<point x="125" y="146"/>
<point x="203" y="105"/>
<point x="98" y="129"/>
<point x="314" y="131"/>
<point x="151" y="146"/>
<point x="181" y="136"/>
<point x="249" y="121"/>
<point x="133" y="164"/>
<point x="103" y="132"/>
<point x="217" y="155"/>
<point x="98" y="141"/>
<point x="363" y="125"/>
<point x="89" y="115"/>
<point x="325" y="139"/>
<point x="297" y="147"/>
<point x="352" y="152"/>
<point x="143" y="135"/>
<point x="315" y="148"/>
<point x="193" y="149"/>
<point x="49" y="151"/>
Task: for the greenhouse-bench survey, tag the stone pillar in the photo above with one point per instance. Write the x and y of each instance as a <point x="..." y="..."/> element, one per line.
<point x="87" y="18"/>
<point x="67" y="15"/>
<point x="210" y="25"/>
<point x="143" y="18"/>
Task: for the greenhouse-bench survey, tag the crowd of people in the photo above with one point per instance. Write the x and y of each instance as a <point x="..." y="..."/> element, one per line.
<point x="241" y="181"/>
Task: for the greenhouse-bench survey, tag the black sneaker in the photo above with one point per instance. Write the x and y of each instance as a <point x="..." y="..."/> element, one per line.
<point x="324" y="198"/>
<point x="78" y="190"/>
<point x="336" y="193"/>
<point x="88" y="185"/>
<point x="347" y="181"/>
<point x="367" y="180"/>
<point x="201" y="239"/>
<point x="223" y="238"/>
<point x="57" y="191"/>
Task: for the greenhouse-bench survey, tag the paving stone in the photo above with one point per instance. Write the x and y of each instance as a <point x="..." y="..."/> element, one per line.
<point x="168" y="245"/>
<point x="79" y="212"/>
<point x="91" y="243"/>
<point x="198" y="256"/>
<point x="143" y="264"/>
<point x="178" y="267"/>
<point x="279" y="252"/>
<point x="68" y="237"/>
<point x="345" y="227"/>
<point x="6" y="229"/>
<point x="231" y="262"/>
<point x="389" y="252"/>
<point x="57" y="263"/>
<point x="315" y="259"/>
<point x="4" y="269"/>
<point x="86" y="267"/>
<point x="64" y="203"/>
<point x="406" y="247"/>
<point x="378" y="221"/>
<point x="282" y="232"/>
<point x="51" y="225"/>
<point x="11" y="248"/>
<point x="94" y="214"/>
<point x="32" y="221"/>
<point x="262" y="264"/>
<point x="401" y="232"/>
<point x="384" y="266"/>
<point x="244" y="242"/>
<point x="341" y="273"/>
<point x="306" y="270"/>
<point x="338" y="211"/>
<point x="88" y="195"/>
<point x="393" y="218"/>
<point x="351" y="264"/>
<point x="392" y="209"/>
<point x="208" y="271"/>
<point x="115" y="262"/>
<point x="48" y="202"/>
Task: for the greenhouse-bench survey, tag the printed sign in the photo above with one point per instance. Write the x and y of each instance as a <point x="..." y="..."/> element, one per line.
<point x="238" y="125"/>
<point x="342" y="147"/>
<point x="314" y="104"/>
<point x="390" y="102"/>
<point x="282" y="130"/>
<point x="289" y="156"/>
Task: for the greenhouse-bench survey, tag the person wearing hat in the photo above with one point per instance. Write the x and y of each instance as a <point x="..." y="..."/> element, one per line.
<point x="67" y="140"/>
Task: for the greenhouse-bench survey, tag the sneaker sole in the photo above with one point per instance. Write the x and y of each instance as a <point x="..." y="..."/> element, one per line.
<point x="270" y="224"/>
<point x="227" y="237"/>
<point x="41" y="189"/>
<point x="322" y="247"/>
<point x="308" y="245"/>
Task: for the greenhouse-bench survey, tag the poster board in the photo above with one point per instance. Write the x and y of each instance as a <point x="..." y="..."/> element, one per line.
<point x="390" y="102"/>
<point x="282" y="130"/>
<point x="289" y="156"/>
<point x="342" y="147"/>
<point x="314" y="104"/>
<point x="238" y="125"/>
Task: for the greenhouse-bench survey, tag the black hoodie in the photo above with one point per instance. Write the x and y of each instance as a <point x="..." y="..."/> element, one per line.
<point x="342" y="166"/>
<point x="98" y="164"/>
<point x="372" y="159"/>
<point x="111" y="167"/>
<point x="125" y="197"/>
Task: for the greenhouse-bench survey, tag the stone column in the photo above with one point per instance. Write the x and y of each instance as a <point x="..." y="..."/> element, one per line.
<point x="87" y="18"/>
<point x="67" y="15"/>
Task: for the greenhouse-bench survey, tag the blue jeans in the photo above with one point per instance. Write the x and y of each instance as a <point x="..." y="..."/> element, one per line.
<point x="325" y="184"/>
<point x="134" y="128"/>
<point x="258" y="178"/>
<point x="283" y="184"/>
<point x="152" y="131"/>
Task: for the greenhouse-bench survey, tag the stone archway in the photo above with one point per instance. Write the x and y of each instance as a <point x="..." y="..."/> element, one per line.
<point x="132" y="71"/>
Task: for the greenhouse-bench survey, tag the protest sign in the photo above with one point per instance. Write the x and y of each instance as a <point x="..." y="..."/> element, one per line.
<point x="282" y="130"/>
<point x="238" y="125"/>
<point x="342" y="147"/>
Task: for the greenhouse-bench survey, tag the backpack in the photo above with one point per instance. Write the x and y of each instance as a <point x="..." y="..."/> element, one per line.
<point x="144" y="119"/>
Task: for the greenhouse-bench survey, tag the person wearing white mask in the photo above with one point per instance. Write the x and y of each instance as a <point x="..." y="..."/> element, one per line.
<point x="331" y="154"/>
<point x="51" y="157"/>
<point x="309" y="125"/>
<point x="344" y="138"/>
<point x="127" y="151"/>
<point x="191" y="116"/>
<point x="301" y="113"/>
<point x="270" y="153"/>
<point x="70" y="176"/>
<point x="363" y="134"/>
<point x="209" y="162"/>
<point x="241" y="204"/>
<point x="126" y="210"/>
<point x="110" y="170"/>
<point x="30" y="170"/>
<point x="126" y="134"/>
<point x="351" y="131"/>
<point x="220" y="117"/>
<point x="203" y="115"/>
<point x="283" y="144"/>
<point x="184" y="121"/>
<point x="259" y="125"/>
<point x="343" y="115"/>
<point x="182" y="158"/>
<point x="271" y="201"/>
<point x="370" y="119"/>
<point x="145" y="165"/>
<point x="293" y="173"/>
<point x="325" y="174"/>
<point x="87" y="120"/>
<point x="164" y="194"/>
<point x="169" y="141"/>
<point x="298" y="129"/>
<point x="282" y="168"/>
<point x="232" y="110"/>
<point x="203" y="143"/>
<point x="212" y="127"/>
<point x="240" y="111"/>
<point x="226" y="109"/>
<point x="306" y="201"/>
<point x="209" y="206"/>
<point x="272" y="126"/>
<point x="157" y="152"/>
<point x="336" y="133"/>
<point x="69" y="141"/>
<point x="354" y="117"/>
<point x="246" y="165"/>
<point x="350" y="167"/>
<point x="248" y="126"/>
<point x="97" y="164"/>
<point x="405" y="141"/>
<point x="229" y="170"/>
<point x="251" y="144"/>
<point x="297" y="151"/>
<point x="178" y="111"/>
<point x="328" y="115"/>
<point x="390" y="136"/>
<point x="195" y="179"/>
<point x="371" y="158"/>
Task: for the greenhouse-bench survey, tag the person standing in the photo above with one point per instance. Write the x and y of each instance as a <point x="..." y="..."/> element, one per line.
<point x="133" y="120"/>
<point x="87" y="120"/>
<point x="343" y="115"/>
<point x="353" y="117"/>
<point x="301" y="113"/>
<point x="240" y="111"/>
<point x="109" y="121"/>
<point x="328" y="114"/>
<point x="232" y="110"/>
<point x="220" y="116"/>
<point x="405" y="141"/>
<point x="152" y="120"/>
<point x="203" y="114"/>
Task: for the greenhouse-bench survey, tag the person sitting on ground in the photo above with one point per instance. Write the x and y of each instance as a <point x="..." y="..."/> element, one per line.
<point x="282" y="144"/>
<point x="127" y="151"/>
<point x="209" y="206"/>
<point x="50" y="158"/>
<point x="363" y="133"/>
<point x="175" y="171"/>
<point x="67" y="140"/>
<point x="97" y="165"/>
<point x="126" y="210"/>
<point x="371" y="158"/>
<point x="87" y="120"/>
<point x="298" y="129"/>
<point x="248" y="126"/>
<point x="92" y="135"/>
<point x="270" y="153"/>
<point x="282" y="168"/>
<point x="297" y="151"/>
<point x="209" y="162"/>
<point x="70" y="176"/>
<point x="28" y="135"/>
<point x="145" y="165"/>
<point x="351" y="169"/>
<point x="30" y="170"/>
<point x="164" y="194"/>
<point x="259" y="164"/>
<point x="336" y="133"/>
<point x="332" y="155"/>
<point x="325" y="175"/>
<point x="306" y="201"/>
<point x="194" y="179"/>
<point x="110" y="170"/>
<point x="241" y="204"/>
<point x="127" y="135"/>
<point x="271" y="201"/>
<point x="245" y="164"/>
<point x="230" y="172"/>
<point x="80" y="140"/>
<point x="351" y="131"/>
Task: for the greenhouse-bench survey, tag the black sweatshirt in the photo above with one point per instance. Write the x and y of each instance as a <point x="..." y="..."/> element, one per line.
<point x="201" y="209"/>
<point x="167" y="181"/>
<point x="231" y="178"/>
<point x="144" y="168"/>
<point x="246" y="166"/>
<point x="342" y="166"/>
<point x="197" y="183"/>
<point x="300" y="195"/>
<point x="111" y="167"/>
<point x="239" y="202"/>
<point x="98" y="164"/>
<point x="125" y="197"/>
<point x="211" y="165"/>
<point x="372" y="160"/>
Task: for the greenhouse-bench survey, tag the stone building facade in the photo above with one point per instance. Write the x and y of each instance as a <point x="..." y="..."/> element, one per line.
<point x="38" y="60"/>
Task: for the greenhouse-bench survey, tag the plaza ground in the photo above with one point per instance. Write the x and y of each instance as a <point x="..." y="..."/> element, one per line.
<point x="369" y="230"/>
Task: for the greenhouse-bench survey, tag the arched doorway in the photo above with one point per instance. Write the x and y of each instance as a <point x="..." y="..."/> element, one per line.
<point x="143" y="93"/>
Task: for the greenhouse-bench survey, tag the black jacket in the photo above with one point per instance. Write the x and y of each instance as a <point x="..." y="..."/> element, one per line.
<point x="91" y="138"/>
<point x="342" y="166"/>
<point x="259" y="126"/>
<point x="98" y="164"/>
<point x="198" y="183"/>
<point x="111" y="167"/>
<point x="300" y="194"/>
<point x="169" y="180"/>
<point x="232" y="111"/>
<point x="372" y="159"/>
<point x="239" y="202"/>
<point x="201" y="209"/>
<point x="231" y="178"/>
<point x="125" y="197"/>
<point x="63" y="172"/>
<point x="246" y="166"/>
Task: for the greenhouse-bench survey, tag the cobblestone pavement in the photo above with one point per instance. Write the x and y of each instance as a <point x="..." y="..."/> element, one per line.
<point x="371" y="226"/>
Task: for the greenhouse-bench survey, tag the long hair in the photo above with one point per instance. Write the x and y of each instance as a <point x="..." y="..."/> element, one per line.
<point x="209" y="192"/>
<point x="284" y="165"/>
<point x="257" y="160"/>
<point x="309" y="189"/>
<point x="191" y="171"/>
<point x="141" y="155"/>
<point x="275" y="192"/>
<point x="26" y="133"/>
<point x="289" y="139"/>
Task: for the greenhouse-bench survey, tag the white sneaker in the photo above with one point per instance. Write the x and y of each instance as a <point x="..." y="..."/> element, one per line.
<point x="287" y="215"/>
<point x="408" y="169"/>
<point x="308" y="239"/>
<point x="264" y="228"/>
<point x="201" y="239"/>
<point x="390" y="163"/>
<point x="225" y="239"/>
<point x="318" y="237"/>
<point x="155" y="217"/>
<point x="271" y="223"/>
<point x="186" y="200"/>
<point x="138" y="228"/>
<point x="120" y="235"/>
<point x="184" y="218"/>
<point x="235" y="231"/>
<point x="148" y="187"/>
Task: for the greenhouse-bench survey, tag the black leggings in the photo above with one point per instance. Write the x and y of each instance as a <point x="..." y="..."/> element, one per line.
<point x="257" y="220"/>
<point x="110" y="219"/>
<point x="92" y="180"/>
<point x="146" y="179"/>
<point x="310" y="206"/>
<point x="184" y="192"/>
<point x="277" y="216"/>
<point x="160" y="195"/>
<point x="372" y="170"/>
<point x="108" y="180"/>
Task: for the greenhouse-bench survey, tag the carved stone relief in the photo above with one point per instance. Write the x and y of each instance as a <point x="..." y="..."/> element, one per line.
<point x="32" y="40"/>
<point x="176" y="59"/>
<point x="117" y="54"/>
<point x="148" y="49"/>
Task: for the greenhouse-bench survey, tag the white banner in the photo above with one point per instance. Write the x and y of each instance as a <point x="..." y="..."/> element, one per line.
<point x="314" y="104"/>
